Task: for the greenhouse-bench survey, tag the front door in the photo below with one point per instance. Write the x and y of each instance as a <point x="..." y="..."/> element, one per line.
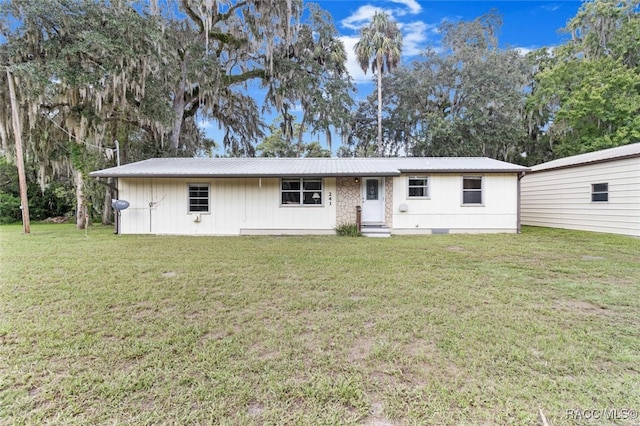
<point x="373" y="199"/>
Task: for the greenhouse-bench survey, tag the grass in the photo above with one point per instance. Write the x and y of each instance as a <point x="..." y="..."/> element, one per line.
<point x="447" y="329"/>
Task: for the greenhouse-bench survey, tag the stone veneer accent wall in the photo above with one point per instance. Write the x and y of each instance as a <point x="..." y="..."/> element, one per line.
<point x="347" y="198"/>
<point x="388" y="201"/>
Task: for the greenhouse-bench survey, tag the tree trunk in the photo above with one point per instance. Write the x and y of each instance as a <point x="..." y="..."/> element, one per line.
<point x="380" y="147"/>
<point x="81" y="202"/>
<point x="107" y="211"/>
<point x="22" y="178"/>
<point x="300" y="135"/>
<point x="178" y="103"/>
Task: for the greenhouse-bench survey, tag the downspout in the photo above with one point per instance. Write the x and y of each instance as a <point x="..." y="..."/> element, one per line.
<point x="519" y="224"/>
<point x="116" y="223"/>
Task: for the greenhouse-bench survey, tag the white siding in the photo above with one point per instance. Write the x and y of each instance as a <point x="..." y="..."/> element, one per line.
<point x="562" y="198"/>
<point x="444" y="209"/>
<point x="237" y="206"/>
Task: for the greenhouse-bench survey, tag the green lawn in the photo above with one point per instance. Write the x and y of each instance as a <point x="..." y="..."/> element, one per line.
<point x="447" y="329"/>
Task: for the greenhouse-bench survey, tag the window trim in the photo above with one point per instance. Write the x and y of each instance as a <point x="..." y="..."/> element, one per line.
<point x="426" y="187"/>
<point x="595" y="193"/>
<point x="208" y="198"/>
<point x="481" y="190"/>
<point x="301" y="191"/>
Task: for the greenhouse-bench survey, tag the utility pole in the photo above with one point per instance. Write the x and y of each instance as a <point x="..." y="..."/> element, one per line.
<point x="17" y="133"/>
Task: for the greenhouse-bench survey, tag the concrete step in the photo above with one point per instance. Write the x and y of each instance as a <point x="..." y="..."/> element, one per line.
<point x="375" y="230"/>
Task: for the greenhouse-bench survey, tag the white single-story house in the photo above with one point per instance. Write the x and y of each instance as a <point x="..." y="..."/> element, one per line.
<point x="598" y="191"/>
<point x="243" y="196"/>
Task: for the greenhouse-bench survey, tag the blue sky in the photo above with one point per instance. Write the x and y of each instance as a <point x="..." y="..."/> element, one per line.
<point x="527" y="25"/>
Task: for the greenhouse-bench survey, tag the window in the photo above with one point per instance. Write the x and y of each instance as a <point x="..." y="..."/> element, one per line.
<point x="198" y="198"/>
<point x="599" y="192"/>
<point x="301" y="191"/>
<point x="418" y="187"/>
<point x="372" y="188"/>
<point x="472" y="190"/>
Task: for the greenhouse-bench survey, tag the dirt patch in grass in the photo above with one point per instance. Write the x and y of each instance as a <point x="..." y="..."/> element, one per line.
<point x="422" y="349"/>
<point x="580" y="306"/>
<point x="589" y="257"/>
<point x="255" y="409"/>
<point x="360" y="349"/>
<point x="376" y="416"/>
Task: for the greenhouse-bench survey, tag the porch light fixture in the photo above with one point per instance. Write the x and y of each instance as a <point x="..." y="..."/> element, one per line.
<point x="356" y="180"/>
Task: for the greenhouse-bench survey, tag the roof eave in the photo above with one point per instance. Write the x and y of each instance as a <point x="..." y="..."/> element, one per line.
<point x="586" y="163"/>
<point x="519" y="170"/>
<point x="290" y="175"/>
<point x="235" y="176"/>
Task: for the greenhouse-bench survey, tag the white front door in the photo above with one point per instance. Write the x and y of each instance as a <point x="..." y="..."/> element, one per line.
<point x="373" y="199"/>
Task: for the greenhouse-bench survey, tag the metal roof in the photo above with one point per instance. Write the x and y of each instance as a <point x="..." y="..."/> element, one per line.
<point x="287" y="167"/>
<point x="618" y="153"/>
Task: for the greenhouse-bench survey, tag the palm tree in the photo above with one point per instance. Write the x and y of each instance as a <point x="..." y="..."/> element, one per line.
<point x="382" y="41"/>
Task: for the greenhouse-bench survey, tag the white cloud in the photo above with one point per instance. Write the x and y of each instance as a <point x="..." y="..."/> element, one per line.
<point x="365" y="13"/>
<point x="205" y="124"/>
<point x="414" y="38"/>
<point x="360" y="17"/>
<point x="414" y="43"/>
<point x="415" y="35"/>
<point x="522" y="51"/>
<point x="413" y="5"/>
<point x="352" y="63"/>
<point x="551" y="7"/>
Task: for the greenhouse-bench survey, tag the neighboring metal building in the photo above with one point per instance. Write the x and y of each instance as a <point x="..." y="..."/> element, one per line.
<point x="598" y="191"/>
<point x="239" y="196"/>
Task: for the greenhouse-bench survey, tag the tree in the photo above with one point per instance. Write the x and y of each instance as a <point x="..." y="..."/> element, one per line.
<point x="83" y="67"/>
<point x="466" y="101"/>
<point x="312" y="76"/>
<point x="382" y="41"/>
<point x="92" y="72"/>
<point x="586" y="93"/>
<point x="226" y="45"/>
<point x="361" y="140"/>
<point x="17" y="130"/>
<point x="592" y="105"/>
<point x="476" y="105"/>
<point x="277" y="145"/>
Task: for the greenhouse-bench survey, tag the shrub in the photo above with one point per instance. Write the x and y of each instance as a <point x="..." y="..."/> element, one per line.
<point x="347" y="230"/>
<point x="9" y="208"/>
<point x="57" y="199"/>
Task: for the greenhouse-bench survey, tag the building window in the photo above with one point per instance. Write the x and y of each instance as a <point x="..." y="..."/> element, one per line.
<point x="418" y="187"/>
<point x="472" y="190"/>
<point x="301" y="191"/>
<point x="373" y="186"/>
<point x="599" y="192"/>
<point x="198" y="198"/>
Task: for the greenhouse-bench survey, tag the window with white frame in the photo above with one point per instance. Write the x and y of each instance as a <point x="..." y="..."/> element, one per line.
<point x="472" y="190"/>
<point x="418" y="187"/>
<point x="599" y="192"/>
<point x="301" y="191"/>
<point x="198" y="198"/>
